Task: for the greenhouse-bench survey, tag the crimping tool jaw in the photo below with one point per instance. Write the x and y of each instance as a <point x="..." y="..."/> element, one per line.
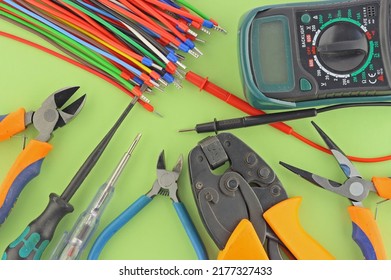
<point x="166" y="182"/>
<point x="49" y="116"/>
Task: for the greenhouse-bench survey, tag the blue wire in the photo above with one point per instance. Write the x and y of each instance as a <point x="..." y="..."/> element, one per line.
<point x="66" y="33"/>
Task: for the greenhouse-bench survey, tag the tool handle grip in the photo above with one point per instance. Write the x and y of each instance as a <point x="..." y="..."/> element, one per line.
<point x="12" y="124"/>
<point x="243" y="244"/>
<point x="366" y="233"/>
<point x="116" y="225"/>
<point x="26" y="167"/>
<point x="35" y="238"/>
<point x="283" y="218"/>
<point x="382" y="186"/>
<point x="191" y="231"/>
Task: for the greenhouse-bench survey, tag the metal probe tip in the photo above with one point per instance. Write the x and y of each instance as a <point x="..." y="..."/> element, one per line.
<point x="186" y="130"/>
<point x="134" y="143"/>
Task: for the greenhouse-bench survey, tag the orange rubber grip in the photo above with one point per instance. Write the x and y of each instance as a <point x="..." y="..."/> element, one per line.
<point x="243" y="244"/>
<point x="283" y="218"/>
<point x="12" y="124"/>
<point x="34" y="151"/>
<point x="366" y="233"/>
<point x="383" y="186"/>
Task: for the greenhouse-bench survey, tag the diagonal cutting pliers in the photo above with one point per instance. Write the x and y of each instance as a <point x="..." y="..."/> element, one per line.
<point x="365" y="230"/>
<point x="45" y="120"/>
<point x="165" y="184"/>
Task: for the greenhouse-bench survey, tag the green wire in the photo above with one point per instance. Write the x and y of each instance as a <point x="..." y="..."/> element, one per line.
<point x="90" y="57"/>
<point x="194" y="9"/>
<point x="118" y="32"/>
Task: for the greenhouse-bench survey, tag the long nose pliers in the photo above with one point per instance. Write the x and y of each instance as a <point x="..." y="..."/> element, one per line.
<point x="166" y="185"/>
<point x="45" y="120"/>
<point x="365" y="230"/>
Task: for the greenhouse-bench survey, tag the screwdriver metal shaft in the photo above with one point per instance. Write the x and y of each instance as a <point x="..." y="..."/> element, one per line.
<point x="33" y="241"/>
<point x="73" y="243"/>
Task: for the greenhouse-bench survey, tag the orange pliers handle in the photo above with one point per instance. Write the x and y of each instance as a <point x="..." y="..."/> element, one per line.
<point x="27" y="165"/>
<point x="12" y="124"/>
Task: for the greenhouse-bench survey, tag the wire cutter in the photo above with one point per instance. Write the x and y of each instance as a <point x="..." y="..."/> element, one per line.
<point x="365" y="230"/>
<point x="165" y="184"/>
<point x="246" y="202"/>
<point x="45" y="120"/>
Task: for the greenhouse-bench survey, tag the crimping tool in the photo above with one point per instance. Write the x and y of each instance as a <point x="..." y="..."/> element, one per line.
<point x="247" y="190"/>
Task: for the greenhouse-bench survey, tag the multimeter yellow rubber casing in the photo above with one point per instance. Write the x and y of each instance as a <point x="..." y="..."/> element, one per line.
<point x="316" y="53"/>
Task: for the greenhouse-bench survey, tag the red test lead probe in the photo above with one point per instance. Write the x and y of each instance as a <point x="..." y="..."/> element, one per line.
<point x="204" y="84"/>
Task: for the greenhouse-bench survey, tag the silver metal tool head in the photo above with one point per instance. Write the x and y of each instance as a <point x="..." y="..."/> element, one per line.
<point x="166" y="182"/>
<point x="355" y="188"/>
<point x="345" y="164"/>
<point x="50" y="116"/>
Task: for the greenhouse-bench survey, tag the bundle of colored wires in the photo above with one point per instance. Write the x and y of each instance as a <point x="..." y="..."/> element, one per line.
<point x="134" y="45"/>
<point x="129" y="43"/>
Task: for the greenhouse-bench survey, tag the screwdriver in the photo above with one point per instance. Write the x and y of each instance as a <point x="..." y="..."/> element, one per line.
<point x="73" y="243"/>
<point x="36" y="237"/>
<point x="228" y="124"/>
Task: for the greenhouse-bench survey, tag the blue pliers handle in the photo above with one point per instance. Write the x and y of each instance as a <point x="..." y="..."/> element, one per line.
<point x="165" y="184"/>
<point x="135" y="208"/>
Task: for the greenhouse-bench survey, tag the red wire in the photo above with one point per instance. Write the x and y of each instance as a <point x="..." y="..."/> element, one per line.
<point x="175" y="10"/>
<point x="153" y="11"/>
<point x="150" y="108"/>
<point x="154" y="28"/>
<point x="352" y="158"/>
<point x="147" y="106"/>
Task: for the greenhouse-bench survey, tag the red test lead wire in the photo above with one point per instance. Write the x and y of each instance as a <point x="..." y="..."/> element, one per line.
<point x="204" y="84"/>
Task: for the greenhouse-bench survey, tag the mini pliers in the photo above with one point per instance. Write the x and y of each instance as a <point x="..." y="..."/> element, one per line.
<point x="45" y="120"/>
<point x="165" y="184"/>
<point x="247" y="191"/>
<point x="365" y="230"/>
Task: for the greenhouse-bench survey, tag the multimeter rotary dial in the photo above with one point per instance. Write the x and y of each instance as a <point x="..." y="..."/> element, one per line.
<point x="343" y="47"/>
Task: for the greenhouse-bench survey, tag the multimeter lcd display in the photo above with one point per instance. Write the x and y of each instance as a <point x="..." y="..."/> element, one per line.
<point x="271" y="56"/>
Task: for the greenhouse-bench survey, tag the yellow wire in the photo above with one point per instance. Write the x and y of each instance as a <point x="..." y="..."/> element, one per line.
<point x="135" y="61"/>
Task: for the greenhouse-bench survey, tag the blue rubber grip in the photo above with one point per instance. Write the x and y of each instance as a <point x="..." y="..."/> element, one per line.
<point x="116" y="225"/>
<point x="191" y="231"/>
<point x="29" y="246"/>
<point x="364" y="243"/>
<point x="2" y="117"/>
<point x="17" y="186"/>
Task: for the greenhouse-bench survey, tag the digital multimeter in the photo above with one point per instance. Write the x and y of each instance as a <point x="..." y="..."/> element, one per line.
<point x="310" y="54"/>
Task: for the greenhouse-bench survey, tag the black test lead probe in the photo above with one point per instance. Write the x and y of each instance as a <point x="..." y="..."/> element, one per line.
<point x="228" y="124"/>
<point x="36" y="237"/>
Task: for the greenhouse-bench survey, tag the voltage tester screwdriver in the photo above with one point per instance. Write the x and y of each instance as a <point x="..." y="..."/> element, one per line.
<point x="35" y="238"/>
<point x="73" y="243"/>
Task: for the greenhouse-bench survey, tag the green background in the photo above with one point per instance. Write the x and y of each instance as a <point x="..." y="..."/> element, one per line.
<point x="28" y="76"/>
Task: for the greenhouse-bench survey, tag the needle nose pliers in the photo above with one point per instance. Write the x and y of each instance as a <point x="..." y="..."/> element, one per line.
<point x="365" y="230"/>
<point x="165" y="184"/>
<point x="45" y="120"/>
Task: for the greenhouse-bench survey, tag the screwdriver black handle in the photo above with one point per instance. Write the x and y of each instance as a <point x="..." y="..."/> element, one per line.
<point x="216" y="126"/>
<point x="36" y="237"/>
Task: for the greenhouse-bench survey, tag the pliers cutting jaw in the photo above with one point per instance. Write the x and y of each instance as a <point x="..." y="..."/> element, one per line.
<point x="166" y="182"/>
<point x="355" y="188"/>
<point x="49" y="116"/>
<point x="45" y="119"/>
<point x="365" y="230"/>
